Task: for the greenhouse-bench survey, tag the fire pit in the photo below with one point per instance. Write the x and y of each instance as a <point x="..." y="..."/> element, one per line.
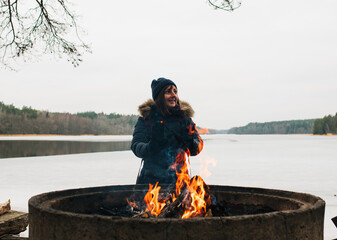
<point x="246" y="213"/>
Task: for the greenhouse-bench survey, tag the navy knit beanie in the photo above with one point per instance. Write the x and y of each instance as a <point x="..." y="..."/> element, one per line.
<point x="159" y="84"/>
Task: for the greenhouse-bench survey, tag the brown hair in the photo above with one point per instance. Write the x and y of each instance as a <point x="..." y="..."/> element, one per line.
<point x="160" y="102"/>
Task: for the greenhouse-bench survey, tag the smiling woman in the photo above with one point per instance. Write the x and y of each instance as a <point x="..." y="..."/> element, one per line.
<point x="164" y="131"/>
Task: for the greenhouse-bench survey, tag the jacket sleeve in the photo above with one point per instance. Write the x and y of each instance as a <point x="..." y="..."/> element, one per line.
<point x="193" y="140"/>
<point x="140" y="140"/>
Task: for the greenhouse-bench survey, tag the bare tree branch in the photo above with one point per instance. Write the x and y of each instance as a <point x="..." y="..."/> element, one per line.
<point x="11" y="20"/>
<point x="47" y="26"/>
<point x="227" y="5"/>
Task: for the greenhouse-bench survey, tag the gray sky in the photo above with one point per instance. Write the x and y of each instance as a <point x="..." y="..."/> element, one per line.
<point x="266" y="61"/>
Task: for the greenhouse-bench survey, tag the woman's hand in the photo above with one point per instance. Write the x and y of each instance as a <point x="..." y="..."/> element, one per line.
<point x="192" y="139"/>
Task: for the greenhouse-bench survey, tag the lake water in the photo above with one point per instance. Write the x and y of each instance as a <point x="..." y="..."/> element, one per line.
<point x="28" y="148"/>
<point x="301" y="163"/>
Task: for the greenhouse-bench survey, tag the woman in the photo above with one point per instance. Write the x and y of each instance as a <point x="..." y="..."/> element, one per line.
<point x="163" y="131"/>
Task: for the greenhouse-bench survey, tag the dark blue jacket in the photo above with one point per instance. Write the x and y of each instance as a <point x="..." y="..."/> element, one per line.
<point x="175" y="138"/>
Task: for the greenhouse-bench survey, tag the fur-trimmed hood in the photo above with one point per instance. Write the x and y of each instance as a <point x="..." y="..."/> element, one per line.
<point x="145" y="109"/>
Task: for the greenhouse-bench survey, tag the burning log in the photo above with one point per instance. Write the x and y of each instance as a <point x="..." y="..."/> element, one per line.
<point x="5" y="207"/>
<point x="200" y="201"/>
<point x="176" y="208"/>
<point x="143" y="215"/>
<point x="209" y="213"/>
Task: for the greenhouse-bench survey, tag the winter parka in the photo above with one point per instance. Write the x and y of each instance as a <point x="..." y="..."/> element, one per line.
<point x="178" y="134"/>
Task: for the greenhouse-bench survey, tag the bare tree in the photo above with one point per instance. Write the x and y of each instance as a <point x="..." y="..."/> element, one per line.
<point x="32" y="27"/>
<point x="45" y="26"/>
<point x="227" y="5"/>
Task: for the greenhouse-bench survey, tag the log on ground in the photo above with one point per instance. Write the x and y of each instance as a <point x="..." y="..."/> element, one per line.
<point x="13" y="222"/>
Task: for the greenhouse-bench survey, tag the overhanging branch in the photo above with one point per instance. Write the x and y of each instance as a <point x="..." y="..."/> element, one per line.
<point x="41" y="28"/>
<point x="227" y="5"/>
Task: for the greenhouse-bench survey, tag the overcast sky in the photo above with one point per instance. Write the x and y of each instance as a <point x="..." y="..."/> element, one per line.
<point x="266" y="61"/>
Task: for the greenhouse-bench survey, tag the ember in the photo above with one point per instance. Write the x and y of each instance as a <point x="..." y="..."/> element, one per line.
<point x="190" y="198"/>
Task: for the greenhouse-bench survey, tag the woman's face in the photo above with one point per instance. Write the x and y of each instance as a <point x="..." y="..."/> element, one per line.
<point x="171" y="96"/>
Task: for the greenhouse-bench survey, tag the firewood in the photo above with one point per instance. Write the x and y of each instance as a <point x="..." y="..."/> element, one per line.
<point x="143" y="215"/>
<point x="209" y="213"/>
<point x="13" y="222"/>
<point x="5" y="207"/>
<point x="175" y="209"/>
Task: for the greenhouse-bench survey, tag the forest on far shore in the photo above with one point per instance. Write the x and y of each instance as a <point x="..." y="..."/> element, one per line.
<point x="279" y="127"/>
<point x="325" y="125"/>
<point x="320" y="126"/>
<point x="30" y="121"/>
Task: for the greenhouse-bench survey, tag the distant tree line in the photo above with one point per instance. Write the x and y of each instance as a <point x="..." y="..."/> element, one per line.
<point x="218" y="131"/>
<point x="326" y="125"/>
<point x="30" y="121"/>
<point x="280" y="127"/>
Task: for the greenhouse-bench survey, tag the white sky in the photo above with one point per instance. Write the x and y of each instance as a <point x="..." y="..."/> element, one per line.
<point x="266" y="61"/>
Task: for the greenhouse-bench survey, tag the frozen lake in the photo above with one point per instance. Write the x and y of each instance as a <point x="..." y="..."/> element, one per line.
<point x="301" y="163"/>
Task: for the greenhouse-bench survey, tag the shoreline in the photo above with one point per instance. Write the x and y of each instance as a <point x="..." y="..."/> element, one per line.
<point x="105" y="135"/>
<point x="54" y="135"/>
<point x="58" y="137"/>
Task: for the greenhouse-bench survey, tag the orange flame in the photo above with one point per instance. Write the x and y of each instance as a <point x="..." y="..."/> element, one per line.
<point x="198" y="199"/>
<point x="183" y="178"/>
<point x="201" y="145"/>
<point x="191" y="130"/>
<point x="195" y="186"/>
<point x="132" y="204"/>
<point x="151" y="199"/>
